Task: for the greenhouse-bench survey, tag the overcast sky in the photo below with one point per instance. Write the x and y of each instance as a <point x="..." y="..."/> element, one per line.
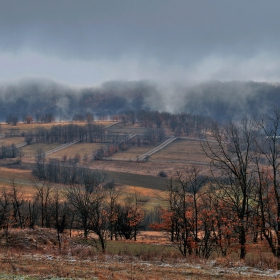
<point x="87" y="42"/>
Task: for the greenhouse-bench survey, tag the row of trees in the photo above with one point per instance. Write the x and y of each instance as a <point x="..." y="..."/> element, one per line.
<point x="10" y="151"/>
<point x="182" y="123"/>
<point x="88" y="133"/>
<point x="240" y="203"/>
<point x="68" y="133"/>
<point x="92" y="206"/>
<point x="26" y="118"/>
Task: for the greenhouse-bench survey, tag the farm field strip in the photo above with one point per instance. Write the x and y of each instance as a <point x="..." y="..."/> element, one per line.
<point x="158" y="148"/>
<point x="11" y="140"/>
<point x="61" y="147"/>
<point x="81" y="148"/>
<point x="29" y="126"/>
<point x="146" y="182"/>
<point x="182" y="150"/>
<point x="130" y="179"/>
<point x="31" y="150"/>
<point x="111" y="124"/>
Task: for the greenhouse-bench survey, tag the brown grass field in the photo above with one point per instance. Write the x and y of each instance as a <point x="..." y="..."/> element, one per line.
<point x="128" y="128"/>
<point x="11" y="140"/>
<point x="34" y="254"/>
<point x="31" y="150"/>
<point x="133" y="152"/>
<point x="25" y="180"/>
<point x="24" y="127"/>
<point x="181" y="150"/>
<point x="79" y="148"/>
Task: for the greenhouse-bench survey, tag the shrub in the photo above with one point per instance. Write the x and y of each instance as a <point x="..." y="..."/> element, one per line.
<point x="162" y="174"/>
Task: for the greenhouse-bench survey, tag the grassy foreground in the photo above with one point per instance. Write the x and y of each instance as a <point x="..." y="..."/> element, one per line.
<point x="33" y="254"/>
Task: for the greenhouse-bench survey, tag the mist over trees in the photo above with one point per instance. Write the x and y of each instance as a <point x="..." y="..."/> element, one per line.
<point x="217" y="100"/>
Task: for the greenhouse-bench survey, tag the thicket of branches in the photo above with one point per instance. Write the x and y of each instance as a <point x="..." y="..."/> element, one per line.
<point x="8" y="151"/>
<point x="67" y="133"/>
<point x="180" y="124"/>
<point x="92" y="206"/>
<point x="240" y="204"/>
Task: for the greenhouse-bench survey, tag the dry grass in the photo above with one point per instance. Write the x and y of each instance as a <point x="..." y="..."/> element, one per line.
<point x="35" y="253"/>
<point x="11" y="140"/>
<point x="31" y="150"/>
<point x="24" y="127"/>
<point x="182" y="150"/>
<point x="133" y="152"/>
<point x="151" y="197"/>
<point x="21" y="178"/>
<point x="19" y="174"/>
<point x="142" y="191"/>
<point x="129" y="128"/>
<point x="24" y="179"/>
<point x="79" y="148"/>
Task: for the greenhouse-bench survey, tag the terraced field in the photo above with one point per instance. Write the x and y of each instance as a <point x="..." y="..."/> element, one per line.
<point x="132" y="153"/>
<point x="181" y="150"/>
<point x="31" y="150"/>
<point x="80" y="148"/>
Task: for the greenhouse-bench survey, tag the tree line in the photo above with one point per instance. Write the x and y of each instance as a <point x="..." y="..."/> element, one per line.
<point x="92" y="206"/>
<point x="67" y="133"/>
<point x="179" y="124"/>
<point x="93" y="133"/>
<point x="9" y="151"/>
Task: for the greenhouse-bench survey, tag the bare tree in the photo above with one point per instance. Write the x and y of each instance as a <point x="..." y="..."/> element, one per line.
<point x="88" y="201"/>
<point x="5" y="209"/>
<point x="43" y="197"/>
<point x="268" y="172"/>
<point x="130" y="216"/>
<point x="59" y="213"/>
<point x="18" y="202"/>
<point x="113" y="196"/>
<point x="230" y="152"/>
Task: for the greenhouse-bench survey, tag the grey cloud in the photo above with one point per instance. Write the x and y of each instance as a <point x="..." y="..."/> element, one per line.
<point x="168" y="30"/>
<point x="218" y="100"/>
<point x="91" y="41"/>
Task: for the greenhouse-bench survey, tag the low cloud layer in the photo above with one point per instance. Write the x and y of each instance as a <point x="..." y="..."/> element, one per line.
<point x="90" y="42"/>
<point x="220" y="101"/>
